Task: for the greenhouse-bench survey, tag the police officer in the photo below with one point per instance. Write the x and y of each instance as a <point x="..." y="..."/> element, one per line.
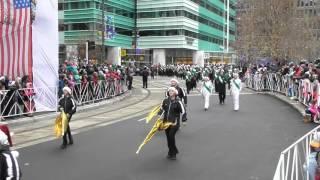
<point x="145" y="75"/>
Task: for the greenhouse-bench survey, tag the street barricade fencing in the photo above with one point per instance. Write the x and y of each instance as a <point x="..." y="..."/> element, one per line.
<point x="300" y="89"/>
<point x="293" y="161"/>
<point x="17" y="102"/>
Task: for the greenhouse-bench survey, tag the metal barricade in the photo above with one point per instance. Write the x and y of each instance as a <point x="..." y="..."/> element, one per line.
<point x="17" y="102"/>
<point x="294" y="161"/>
<point x="302" y="90"/>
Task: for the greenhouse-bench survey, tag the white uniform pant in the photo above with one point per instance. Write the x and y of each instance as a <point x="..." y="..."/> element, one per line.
<point x="235" y="97"/>
<point x="206" y="101"/>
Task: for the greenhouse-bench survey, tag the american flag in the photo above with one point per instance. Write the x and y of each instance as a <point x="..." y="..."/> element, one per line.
<point x="15" y="38"/>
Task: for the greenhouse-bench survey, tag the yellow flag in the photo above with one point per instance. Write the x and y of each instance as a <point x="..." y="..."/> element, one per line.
<point x="153" y="113"/>
<point x="58" y="127"/>
<point x="158" y="126"/>
<point x="61" y="124"/>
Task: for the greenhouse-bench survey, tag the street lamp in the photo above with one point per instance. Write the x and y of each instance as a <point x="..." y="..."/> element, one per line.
<point x="226" y="22"/>
<point x="103" y="29"/>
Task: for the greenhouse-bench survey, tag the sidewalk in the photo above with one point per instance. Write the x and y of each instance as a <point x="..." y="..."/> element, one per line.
<point x="134" y="104"/>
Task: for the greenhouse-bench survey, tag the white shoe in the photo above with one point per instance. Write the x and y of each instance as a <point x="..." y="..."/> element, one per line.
<point x="184" y="123"/>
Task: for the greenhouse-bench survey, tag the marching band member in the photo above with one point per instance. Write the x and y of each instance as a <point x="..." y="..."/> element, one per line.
<point x="183" y="97"/>
<point x="68" y="105"/>
<point x="235" y="90"/>
<point x="206" y="91"/>
<point x="9" y="165"/>
<point x="171" y="108"/>
<point x="221" y="86"/>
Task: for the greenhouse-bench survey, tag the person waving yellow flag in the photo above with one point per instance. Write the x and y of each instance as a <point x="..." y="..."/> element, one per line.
<point x="159" y="125"/>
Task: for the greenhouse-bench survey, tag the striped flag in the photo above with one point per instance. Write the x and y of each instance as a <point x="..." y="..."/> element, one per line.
<point x="15" y="38"/>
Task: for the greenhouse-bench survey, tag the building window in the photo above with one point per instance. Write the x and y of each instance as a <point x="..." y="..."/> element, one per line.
<point x="80" y="26"/>
<point x="60" y="6"/>
<point x="187" y="33"/>
<point x="176" y="13"/>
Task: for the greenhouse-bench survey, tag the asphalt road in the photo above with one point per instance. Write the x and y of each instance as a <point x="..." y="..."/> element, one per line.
<point x="219" y="144"/>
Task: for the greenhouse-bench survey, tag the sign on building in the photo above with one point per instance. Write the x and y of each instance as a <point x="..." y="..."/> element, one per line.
<point x="110" y="28"/>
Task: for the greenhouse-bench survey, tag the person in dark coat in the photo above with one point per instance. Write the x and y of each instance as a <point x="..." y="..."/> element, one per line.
<point x="68" y="105"/>
<point x="183" y="97"/>
<point x="172" y="108"/>
<point x="145" y="74"/>
<point x="220" y="84"/>
<point x="9" y="166"/>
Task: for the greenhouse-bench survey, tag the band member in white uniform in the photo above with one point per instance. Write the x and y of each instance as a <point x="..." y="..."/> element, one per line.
<point x="235" y="90"/>
<point x="206" y="91"/>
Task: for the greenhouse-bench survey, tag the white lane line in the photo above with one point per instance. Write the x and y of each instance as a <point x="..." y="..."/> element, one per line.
<point x="142" y="119"/>
<point x="191" y="95"/>
<point x="99" y="117"/>
<point x="158" y="88"/>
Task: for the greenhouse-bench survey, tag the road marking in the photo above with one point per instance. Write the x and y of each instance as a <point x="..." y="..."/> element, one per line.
<point x="142" y="119"/>
<point x="191" y="95"/>
<point x="158" y="88"/>
<point x="99" y="117"/>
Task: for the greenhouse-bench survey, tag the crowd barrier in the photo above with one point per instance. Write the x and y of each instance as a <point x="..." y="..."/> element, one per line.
<point x="300" y="89"/>
<point x="293" y="160"/>
<point x="18" y="102"/>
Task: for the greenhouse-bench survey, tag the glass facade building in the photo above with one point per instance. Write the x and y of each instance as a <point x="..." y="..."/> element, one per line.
<point x="159" y="31"/>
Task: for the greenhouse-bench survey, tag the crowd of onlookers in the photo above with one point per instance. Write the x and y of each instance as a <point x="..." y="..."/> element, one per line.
<point x="72" y="74"/>
<point x="299" y="79"/>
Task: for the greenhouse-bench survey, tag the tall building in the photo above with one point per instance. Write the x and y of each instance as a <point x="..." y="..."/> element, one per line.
<point x="182" y="31"/>
<point x="148" y="31"/>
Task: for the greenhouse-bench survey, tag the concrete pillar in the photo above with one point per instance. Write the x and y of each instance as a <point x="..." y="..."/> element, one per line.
<point x="159" y="56"/>
<point x="114" y="55"/>
<point x="198" y="58"/>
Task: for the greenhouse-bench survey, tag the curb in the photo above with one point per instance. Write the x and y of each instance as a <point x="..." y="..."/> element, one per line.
<point x="294" y="104"/>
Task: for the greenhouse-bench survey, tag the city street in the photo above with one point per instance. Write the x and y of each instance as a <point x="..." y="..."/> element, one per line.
<point x="217" y="144"/>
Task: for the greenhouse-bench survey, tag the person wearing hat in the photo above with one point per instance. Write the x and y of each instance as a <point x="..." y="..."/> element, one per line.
<point x="182" y="95"/>
<point x="9" y="166"/>
<point x="172" y="108"/>
<point x="235" y="91"/>
<point x="68" y="105"/>
<point x="221" y="86"/>
<point x="206" y="91"/>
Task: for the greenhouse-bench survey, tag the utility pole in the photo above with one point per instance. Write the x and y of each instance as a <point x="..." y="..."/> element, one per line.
<point x="135" y="30"/>
<point x="224" y="30"/>
<point x="103" y="22"/>
<point x="228" y="24"/>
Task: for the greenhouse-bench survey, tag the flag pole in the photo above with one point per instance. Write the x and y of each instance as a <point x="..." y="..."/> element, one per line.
<point x="30" y="74"/>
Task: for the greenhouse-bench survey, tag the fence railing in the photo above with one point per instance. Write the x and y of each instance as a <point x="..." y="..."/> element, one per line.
<point x="294" y="161"/>
<point x="300" y="89"/>
<point x="17" y="102"/>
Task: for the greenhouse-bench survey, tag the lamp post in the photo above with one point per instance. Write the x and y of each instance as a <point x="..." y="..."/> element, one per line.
<point x="103" y="22"/>
<point x="228" y="24"/>
<point x="226" y="27"/>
